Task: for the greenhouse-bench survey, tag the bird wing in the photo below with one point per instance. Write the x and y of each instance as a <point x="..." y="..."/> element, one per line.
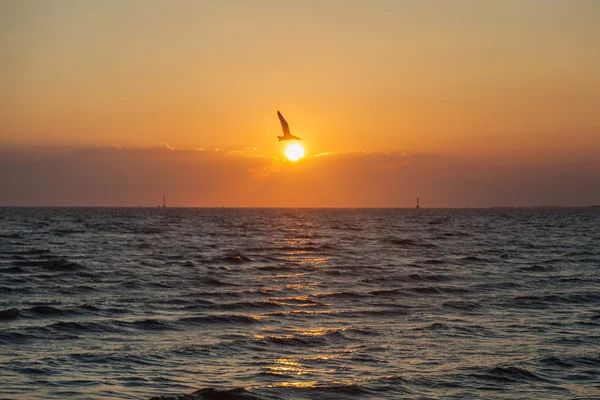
<point x="284" y="124"/>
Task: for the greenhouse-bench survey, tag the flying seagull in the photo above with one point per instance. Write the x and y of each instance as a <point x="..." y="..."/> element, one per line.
<point x="286" y="129"/>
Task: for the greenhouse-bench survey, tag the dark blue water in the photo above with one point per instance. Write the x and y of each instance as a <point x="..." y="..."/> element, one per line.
<point x="299" y="303"/>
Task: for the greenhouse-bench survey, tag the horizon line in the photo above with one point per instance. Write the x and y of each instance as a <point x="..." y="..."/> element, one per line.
<point x="312" y="207"/>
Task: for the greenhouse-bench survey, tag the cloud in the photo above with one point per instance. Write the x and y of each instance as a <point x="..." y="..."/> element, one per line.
<point x="248" y="150"/>
<point x="263" y="172"/>
<point x="328" y="163"/>
<point x="120" y="176"/>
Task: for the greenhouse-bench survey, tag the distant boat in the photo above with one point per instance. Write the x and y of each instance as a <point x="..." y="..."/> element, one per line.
<point x="286" y="129"/>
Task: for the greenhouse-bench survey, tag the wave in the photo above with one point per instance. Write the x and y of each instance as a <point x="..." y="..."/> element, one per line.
<point x="212" y="394"/>
<point x="260" y="305"/>
<point x="160" y="285"/>
<point x="58" y="264"/>
<point x="236" y="259"/>
<point x="151" y="324"/>
<point x="583" y="297"/>
<point x="471" y="330"/>
<point x="410" y="243"/>
<point x="343" y="295"/>
<point x="8" y="314"/>
<point x="110" y="358"/>
<point x="16" y="337"/>
<point x="210" y="281"/>
<point x="440" y="290"/>
<point x="64" y="232"/>
<point x="305" y="390"/>
<point x="11" y="236"/>
<point x="8" y="289"/>
<point x="333" y="273"/>
<point x="437" y="326"/>
<point x="47" y="311"/>
<point x="551" y="299"/>
<point x="301" y="302"/>
<point x="509" y="374"/>
<point x="307" y="248"/>
<point x="363" y="331"/>
<point x="461" y="305"/>
<point x="277" y="268"/>
<point x="334" y="336"/>
<point x="30" y="252"/>
<point x="537" y="268"/>
<point x="71" y="326"/>
<point x="410" y="278"/>
<point x="497" y="286"/>
<point x="15" y="270"/>
<point x="377" y="312"/>
<point x="475" y="259"/>
<point x="433" y="261"/>
<point x="457" y="234"/>
<point x="430" y="278"/>
<point x="218" y="319"/>
<point x="189" y="300"/>
<point x="389" y="292"/>
<point x="558" y="362"/>
<point x="58" y="331"/>
<point x="574" y="280"/>
<point x="438" y="221"/>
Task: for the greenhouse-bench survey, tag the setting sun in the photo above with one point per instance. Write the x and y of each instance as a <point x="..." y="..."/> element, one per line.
<point x="294" y="152"/>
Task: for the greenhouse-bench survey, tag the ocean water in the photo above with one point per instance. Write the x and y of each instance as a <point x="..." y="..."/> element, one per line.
<point x="299" y="303"/>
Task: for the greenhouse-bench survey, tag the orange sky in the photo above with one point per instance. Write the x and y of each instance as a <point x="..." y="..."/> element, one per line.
<point x="512" y="79"/>
<point x="348" y="75"/>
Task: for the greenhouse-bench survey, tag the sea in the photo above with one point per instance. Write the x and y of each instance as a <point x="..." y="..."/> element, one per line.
<point x="140" y="303"/>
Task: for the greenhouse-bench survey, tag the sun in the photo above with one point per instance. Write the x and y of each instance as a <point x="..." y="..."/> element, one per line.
<point x="294" y="152"/>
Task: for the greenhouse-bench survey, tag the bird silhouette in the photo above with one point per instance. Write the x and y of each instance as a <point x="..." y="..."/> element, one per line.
<point x="286" y="129"/>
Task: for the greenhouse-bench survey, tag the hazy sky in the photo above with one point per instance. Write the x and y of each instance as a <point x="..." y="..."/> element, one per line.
<point x="513" y="80"/>
<point x="106" y="176"/>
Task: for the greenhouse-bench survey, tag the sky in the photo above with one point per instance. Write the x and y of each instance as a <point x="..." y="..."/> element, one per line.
<point x="461" y="103"/>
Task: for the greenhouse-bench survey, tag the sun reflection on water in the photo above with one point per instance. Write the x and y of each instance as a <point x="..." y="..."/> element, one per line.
<point x="287" y="366"/>
<point x="308" y="384"/>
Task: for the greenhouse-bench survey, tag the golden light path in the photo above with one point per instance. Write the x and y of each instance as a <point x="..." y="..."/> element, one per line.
<point x="294" y="152"/>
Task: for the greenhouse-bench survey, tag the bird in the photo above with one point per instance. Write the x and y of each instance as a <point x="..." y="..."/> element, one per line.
<point x="286" y="129"/>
